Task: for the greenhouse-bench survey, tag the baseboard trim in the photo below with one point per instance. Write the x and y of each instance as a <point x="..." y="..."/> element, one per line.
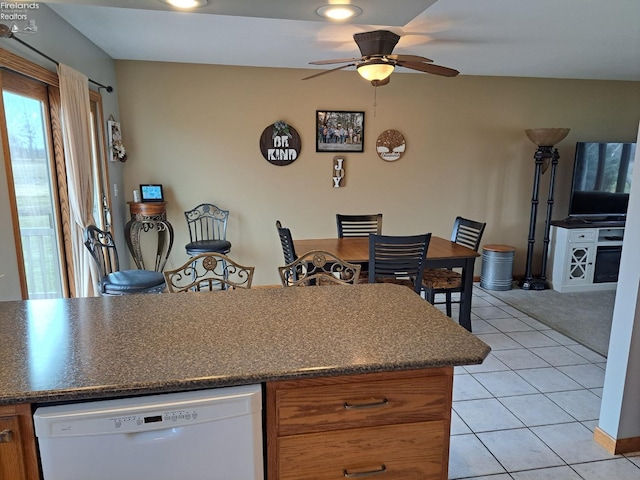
<point x="613" y="446"/>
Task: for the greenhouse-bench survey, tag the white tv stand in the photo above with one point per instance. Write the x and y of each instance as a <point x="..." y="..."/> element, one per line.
<point x="585" y="257"/>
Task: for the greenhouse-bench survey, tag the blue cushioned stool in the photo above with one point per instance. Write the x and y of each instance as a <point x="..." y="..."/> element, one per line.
<point x="112" y="280"/>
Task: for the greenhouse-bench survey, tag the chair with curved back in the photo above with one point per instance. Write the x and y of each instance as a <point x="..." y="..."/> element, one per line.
<point x="319" y="267"/>
<point x="208" y="272"/>
<point x="358" y="225"/>
<point x="112" y="280"/>
<point x="398" y="259"/>
<point x="207" y="230"/>
<point x="467" y="233"/>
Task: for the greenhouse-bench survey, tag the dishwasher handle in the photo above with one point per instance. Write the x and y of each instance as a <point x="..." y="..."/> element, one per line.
<point x="155" y="436"/>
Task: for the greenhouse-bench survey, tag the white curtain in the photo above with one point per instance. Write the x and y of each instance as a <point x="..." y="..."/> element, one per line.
<point x="76" y="134"/>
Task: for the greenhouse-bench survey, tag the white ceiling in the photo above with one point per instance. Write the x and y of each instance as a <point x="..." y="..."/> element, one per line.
<point x="583" y="39"/>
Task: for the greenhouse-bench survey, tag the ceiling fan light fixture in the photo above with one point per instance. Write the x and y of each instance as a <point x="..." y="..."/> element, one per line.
<point x="375" y="71"/>
<point x="338" y="11"/>
<point x="186" y="4"/>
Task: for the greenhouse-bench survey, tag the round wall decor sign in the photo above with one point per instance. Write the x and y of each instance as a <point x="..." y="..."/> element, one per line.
<point x="390" y="145"/>
<point x="280" y="144"/>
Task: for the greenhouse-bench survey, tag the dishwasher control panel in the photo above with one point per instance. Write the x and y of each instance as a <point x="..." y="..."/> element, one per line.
<point x="171" y="418"/>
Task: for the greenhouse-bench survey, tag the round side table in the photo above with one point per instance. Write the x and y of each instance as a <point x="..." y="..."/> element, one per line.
<point x="146" y="217"/>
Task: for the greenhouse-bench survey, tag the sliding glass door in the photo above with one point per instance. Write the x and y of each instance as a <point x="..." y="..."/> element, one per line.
<point x="26" y="111"/>
<point x="36" y="174"/>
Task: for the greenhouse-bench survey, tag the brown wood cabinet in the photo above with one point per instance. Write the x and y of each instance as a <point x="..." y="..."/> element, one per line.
<point x="331" y="428"/>
<point x="18" y="457"/>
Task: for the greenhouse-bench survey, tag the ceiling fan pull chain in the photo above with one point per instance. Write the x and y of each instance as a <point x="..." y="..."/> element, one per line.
<point x="375" y="98"/>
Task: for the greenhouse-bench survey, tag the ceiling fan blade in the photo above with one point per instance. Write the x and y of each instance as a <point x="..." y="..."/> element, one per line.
<point x="408" y="58"/>
<point x="338" y="60"/>
<point x="324" y="72"/>
<point x="430" y="68"/>
<point x="377" y="49"/>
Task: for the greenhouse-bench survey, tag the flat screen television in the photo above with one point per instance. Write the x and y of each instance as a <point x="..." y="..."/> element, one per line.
<point x="601" y="180"/>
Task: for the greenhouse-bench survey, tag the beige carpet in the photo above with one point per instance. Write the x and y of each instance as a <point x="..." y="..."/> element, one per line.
<point x="584" y="317"/>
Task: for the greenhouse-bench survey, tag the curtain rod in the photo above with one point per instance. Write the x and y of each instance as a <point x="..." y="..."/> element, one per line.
<point x="7" y="33"/>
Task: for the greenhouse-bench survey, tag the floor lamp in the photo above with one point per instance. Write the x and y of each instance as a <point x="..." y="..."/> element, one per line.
<point x="545" y="139"/>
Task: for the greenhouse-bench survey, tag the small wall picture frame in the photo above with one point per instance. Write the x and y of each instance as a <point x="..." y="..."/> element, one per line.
<point x="116" y="149"/>
<point x="339" y="131"/>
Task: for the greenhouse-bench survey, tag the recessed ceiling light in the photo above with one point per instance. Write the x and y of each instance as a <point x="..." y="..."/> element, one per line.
<point x="339" y="12"/>
<point x="186" y="3"/>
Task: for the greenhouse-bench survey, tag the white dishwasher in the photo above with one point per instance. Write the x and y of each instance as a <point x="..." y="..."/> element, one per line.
<point x="208" y="434"/>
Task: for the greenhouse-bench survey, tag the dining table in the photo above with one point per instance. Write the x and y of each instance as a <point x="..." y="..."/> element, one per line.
<point x="442" y="253"/>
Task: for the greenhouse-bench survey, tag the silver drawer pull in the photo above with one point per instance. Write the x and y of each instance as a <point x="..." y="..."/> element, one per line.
<point x="368" y="473"/>
<point x="5" y="436"/>
<point x="381" y="403"/>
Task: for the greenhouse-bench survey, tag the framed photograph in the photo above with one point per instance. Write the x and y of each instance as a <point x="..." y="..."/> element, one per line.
<point x="151" y="193"/>
<point x="339" y="131"/>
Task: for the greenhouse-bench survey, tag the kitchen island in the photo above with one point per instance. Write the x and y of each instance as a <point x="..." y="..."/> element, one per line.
<point x="94" y="348"/>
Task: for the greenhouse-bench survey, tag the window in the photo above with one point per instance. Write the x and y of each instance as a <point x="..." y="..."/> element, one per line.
<point x="37" y="179"/>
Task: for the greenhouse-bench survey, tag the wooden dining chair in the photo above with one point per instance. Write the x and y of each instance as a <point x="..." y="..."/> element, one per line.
<point x="467" y="233"/>
<point x="208" y="272"/>
<point x="398" y="259"/>
<point x="319" y="267"/>
<point x="358" y="225"/>
<point x="111" y="280"/>
<point x="286" y="240"/>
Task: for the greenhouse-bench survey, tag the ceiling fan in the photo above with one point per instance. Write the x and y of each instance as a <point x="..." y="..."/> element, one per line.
<point x="377" y="61"/>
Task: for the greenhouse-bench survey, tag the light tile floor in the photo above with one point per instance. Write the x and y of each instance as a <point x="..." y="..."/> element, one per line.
<point x="529" y="411"/>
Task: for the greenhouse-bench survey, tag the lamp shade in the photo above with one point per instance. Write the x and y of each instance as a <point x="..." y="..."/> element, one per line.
<point x="375" y="70"/>
<point x="547" y="137"/>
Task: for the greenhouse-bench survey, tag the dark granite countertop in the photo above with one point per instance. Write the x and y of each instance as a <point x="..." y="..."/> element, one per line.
<point x="88" y="348"/>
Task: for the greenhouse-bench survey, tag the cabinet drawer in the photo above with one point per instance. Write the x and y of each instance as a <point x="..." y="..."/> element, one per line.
<point x="582" y="235"/>
<point x="411" y="451"/>
<point x="330" y="407"/>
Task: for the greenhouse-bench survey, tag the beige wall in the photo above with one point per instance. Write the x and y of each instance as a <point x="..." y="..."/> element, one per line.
<point x="196" y="130"/>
